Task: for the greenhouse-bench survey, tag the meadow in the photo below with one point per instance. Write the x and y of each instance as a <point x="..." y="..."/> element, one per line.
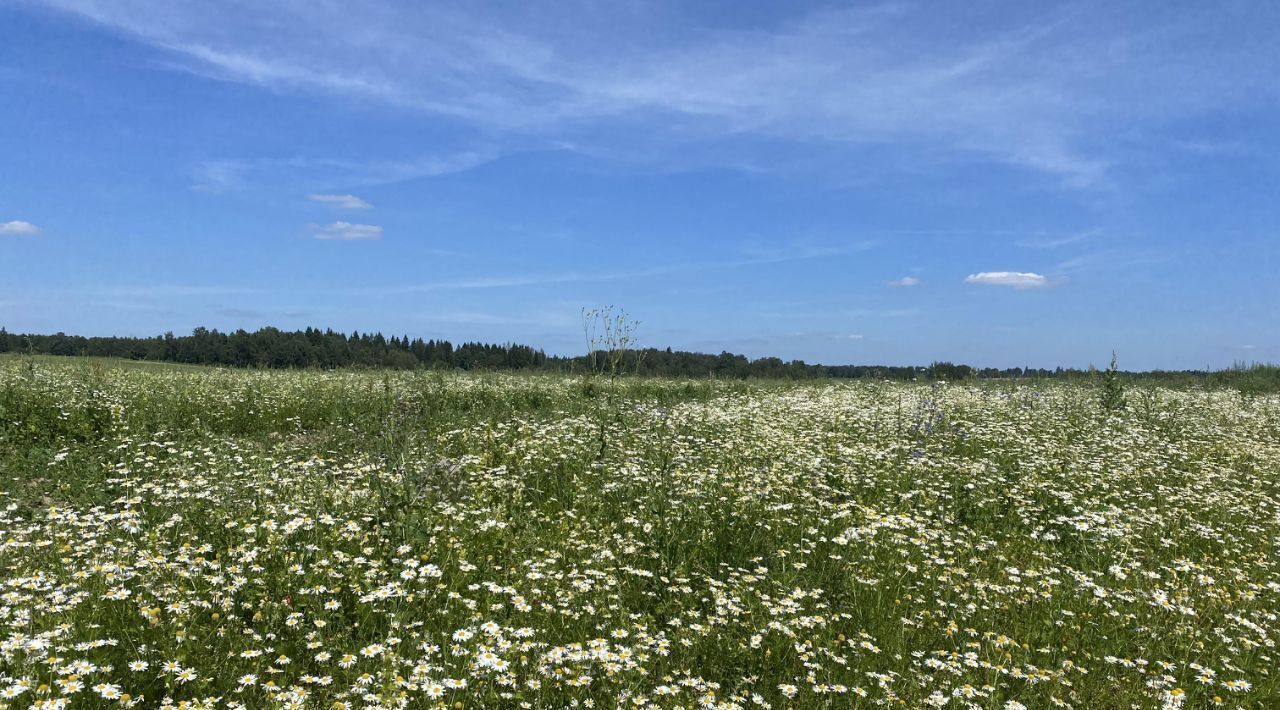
<point x="192" y="537"/>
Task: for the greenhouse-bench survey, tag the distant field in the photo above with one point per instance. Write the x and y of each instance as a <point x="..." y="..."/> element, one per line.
<point x="340" y="539"/>
<point x="7" y="359"/>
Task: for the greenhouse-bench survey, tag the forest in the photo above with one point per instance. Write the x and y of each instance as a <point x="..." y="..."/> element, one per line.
<point x="272" y="348"/>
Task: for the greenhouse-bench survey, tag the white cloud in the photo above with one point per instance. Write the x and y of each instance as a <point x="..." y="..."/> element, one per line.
<point x="1044" y="90"/>
<point x="346" y="202"/>
<point x="346" y="231"/>
<point x="233" y="174"/>
<point x="904" y="281"/>
<point x="519" y="280"/>
<point x="856" y="336"/>
<point x="19" y="228"/>
<point x="798" y="252"/>
<point x="1015" y="279"/>
<point x="1054" y="243"/>
<point x="1121" y="259"/>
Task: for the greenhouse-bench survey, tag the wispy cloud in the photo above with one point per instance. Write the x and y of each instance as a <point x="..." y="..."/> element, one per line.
<point x="172" y="291"/>
<point x="320" y="173"/>
<point x="346" y="202"/>
<point x="552" y="318"/>
<point x="218" y="176"/>
<point x="522" y="280"/>
<point x="829" y="314"/>
<point x="18" y="228"/>
<point x="1055" y="242"/>
<point x="1014" y="279"/>
<point x="1044" y="90"/>
<point x="801" y="251"/>
<point x="346" y="231"/>
<point x="241" y="313"/>
<point x="1112" y="259"/>
<point x="605" y="275"/>
<point x="256" y="314"/>
<point x="904" y="282"/>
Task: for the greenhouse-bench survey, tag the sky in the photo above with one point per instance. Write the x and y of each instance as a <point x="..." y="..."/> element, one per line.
<point x="995" y="183"/>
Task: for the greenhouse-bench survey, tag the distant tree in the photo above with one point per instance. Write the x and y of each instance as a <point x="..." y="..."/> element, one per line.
<point x="948" y="371"/>
<point x="312" y="347"/>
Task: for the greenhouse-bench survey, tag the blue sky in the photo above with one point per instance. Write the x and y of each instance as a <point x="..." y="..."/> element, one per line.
<point x="1003" y="184"/>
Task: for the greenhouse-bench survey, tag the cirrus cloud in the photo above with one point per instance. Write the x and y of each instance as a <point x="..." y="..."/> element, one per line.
<point x="905" y="281"/>
<point x="19" y="228"/>
<point x="346" y="202"/>
<point x="1044" y="90"/>
<point x="346" y="231"/>
<point x="1013" y="279"/>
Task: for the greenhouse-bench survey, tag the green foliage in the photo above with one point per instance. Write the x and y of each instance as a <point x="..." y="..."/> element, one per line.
<point x="611" y="338"/>
<point x="910" y="541"/>
<point x="325" y="349"/>
<point x="949" y="371"/>
<point x="1251" y="380"/>
<point x="1111" y="393"/>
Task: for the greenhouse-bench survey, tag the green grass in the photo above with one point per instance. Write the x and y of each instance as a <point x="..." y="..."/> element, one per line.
<point x="105" y="362"/>
<point x="555" y="542"/>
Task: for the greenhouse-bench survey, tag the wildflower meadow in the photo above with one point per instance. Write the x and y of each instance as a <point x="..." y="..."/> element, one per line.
<point x="196" y="537"/>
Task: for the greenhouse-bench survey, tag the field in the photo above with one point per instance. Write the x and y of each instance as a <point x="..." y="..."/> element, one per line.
<point x="220" y="538"/>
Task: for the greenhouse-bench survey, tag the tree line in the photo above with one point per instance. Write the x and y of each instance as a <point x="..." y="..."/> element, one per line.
<point x="329" y="349"/>
<point x="275" y="348"/>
